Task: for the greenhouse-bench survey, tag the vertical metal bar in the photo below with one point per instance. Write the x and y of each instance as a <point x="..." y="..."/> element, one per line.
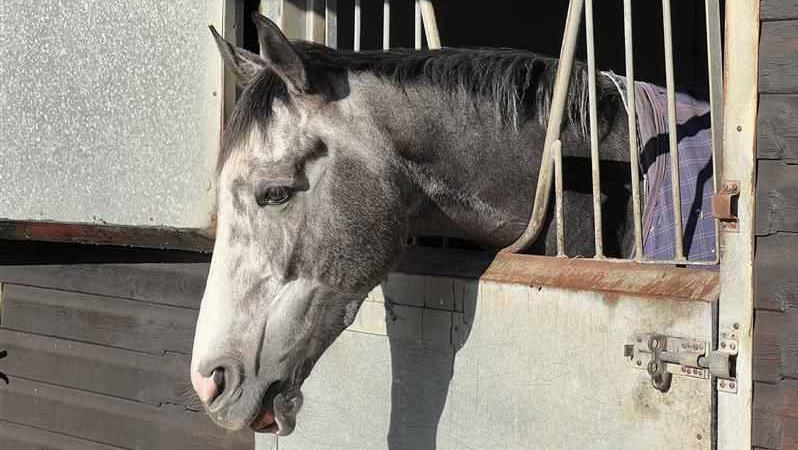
<point x="715" y="75"/>
<point x="559" y="96"/>
<point x="386" y="24"/>
<point x="594" y="150"/>
<point x="331" y="24"/>
<point x="310" y="17"/>
<point x="634" y="160"/>
<point x="678" y="245"/>
<point x="558" y="206"/>
<point x="430" y="24"/>
<point x="417" y="25"/>
<point x="356" y="43"/>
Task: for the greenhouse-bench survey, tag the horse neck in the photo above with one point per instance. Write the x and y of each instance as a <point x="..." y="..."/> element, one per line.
<point x="475" y="174"/>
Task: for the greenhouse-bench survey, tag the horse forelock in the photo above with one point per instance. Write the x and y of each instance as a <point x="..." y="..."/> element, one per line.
<point x="252" y="113"/>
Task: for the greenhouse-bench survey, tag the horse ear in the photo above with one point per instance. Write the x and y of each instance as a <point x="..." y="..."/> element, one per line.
<point x="244" y="64"/>
<point x="280" y="56"/>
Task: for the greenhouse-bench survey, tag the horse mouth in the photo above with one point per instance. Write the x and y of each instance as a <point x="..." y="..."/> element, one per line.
<point x="277" y="413"/>
<point x="265" y="423"/>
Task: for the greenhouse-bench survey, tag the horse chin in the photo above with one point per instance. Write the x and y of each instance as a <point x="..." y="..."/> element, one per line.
<point x="278" y="416"/>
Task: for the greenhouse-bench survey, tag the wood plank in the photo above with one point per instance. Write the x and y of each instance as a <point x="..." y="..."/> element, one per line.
<point x="778" y="57"/>
<point x="152" y="379"/>
<point x="779" y="9"/>
<point x="776" y="197"/>
<point x="134" y="325"/>
<point x="170" y="284"/>
<point x="776" y="285"/>
<point x="776" y="415"/>
<point x="190" y="239"/>
<point x="113" y="421"/>
<point x="776" y="345"/>
<point x="19" y="437"/>
<point x="777" y="135"/>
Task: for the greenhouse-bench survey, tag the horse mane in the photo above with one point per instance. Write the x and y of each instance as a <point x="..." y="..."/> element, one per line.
<point x="519" y="83"/>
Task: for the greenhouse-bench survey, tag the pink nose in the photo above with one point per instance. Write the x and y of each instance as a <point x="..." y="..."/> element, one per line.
<point x="208" y="388"/>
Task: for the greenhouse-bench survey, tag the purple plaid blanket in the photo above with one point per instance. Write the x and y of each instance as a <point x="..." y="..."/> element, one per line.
<point x="695" y="170"/>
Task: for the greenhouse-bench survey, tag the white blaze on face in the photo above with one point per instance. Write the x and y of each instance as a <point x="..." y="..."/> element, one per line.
<point x="215" y="315"/>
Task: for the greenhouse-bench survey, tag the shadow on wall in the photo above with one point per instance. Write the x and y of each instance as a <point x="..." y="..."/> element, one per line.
<point x="428" y="321"/>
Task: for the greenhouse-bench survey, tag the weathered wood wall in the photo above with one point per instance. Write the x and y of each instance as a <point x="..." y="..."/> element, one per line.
<point x="776" y="271"/>
<point x="97" y="358"/>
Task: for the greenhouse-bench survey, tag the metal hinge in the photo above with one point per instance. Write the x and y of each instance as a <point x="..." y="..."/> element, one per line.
<point x="665" y="356"/>
<point x="724" y="205"/>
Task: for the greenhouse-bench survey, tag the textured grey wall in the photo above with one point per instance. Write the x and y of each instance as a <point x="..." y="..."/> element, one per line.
<point x="109" y="111"/>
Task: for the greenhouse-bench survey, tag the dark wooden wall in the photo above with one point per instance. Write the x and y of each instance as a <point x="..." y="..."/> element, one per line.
<point x="776" y="262"/>
<point x="97" y="358"/>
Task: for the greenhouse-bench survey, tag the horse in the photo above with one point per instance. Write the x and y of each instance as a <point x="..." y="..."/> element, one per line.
<point x="332" y="159"/>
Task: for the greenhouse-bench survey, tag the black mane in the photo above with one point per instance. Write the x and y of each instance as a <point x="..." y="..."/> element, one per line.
<point x="519" y="83"/>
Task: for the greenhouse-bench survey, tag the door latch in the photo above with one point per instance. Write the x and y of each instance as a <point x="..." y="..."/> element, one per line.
<point x="724" y="205"/>
<point x="664" y="357"/>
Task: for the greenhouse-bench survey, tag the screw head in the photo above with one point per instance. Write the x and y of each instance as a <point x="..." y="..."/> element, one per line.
<point x="722" y="384"/>
<point x="732" y="346"/>
<point x="732" y="384"/>
<point x="684" y="344"/>
<point x="639" y="339"/>
<point x="723" y="345"/>
<point x="736" y="325"/>
<point x="684" y="369"/>
<point x="639" y="363"/>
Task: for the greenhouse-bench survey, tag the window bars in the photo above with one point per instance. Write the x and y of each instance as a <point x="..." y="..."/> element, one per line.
<point x="424" y="17"/>
<point x="551" y="167"/>
<point x="552" y="156"/>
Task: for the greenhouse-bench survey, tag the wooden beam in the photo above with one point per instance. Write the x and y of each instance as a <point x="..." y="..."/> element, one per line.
<point x="778" y="61"/>
<point x="777" y="135"/>
<point x="776" y="415"/>
<point x="776" y="284"/>
<point x="113" y="421"/>
<point x="179" y="285"/>
<point x="111" y="321"/>
<point x="776" y="198"/>
<point x="776" y="345"/>
<point x="779" y="9"/>
<point x="151" y="379"/>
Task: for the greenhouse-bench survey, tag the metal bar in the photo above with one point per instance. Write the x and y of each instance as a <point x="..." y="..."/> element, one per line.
<point x="665" y="262"/>
<point x="310" y="6"/>
<point x="715" y="75"/>
<point x="331" y="23"/>
<point x="543" y="189"/>
<point x="430" y="24"/>
<point x="558" y="206"/>
<point x="631" y="109"/>
<point x="386" y="24"/>
<point x="356" y="43"/>
<point x="417" y="25"/>
<point x="594" y="145"/>
<point x="678" y="245"/>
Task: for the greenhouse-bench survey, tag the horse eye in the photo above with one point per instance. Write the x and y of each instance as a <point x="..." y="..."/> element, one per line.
<point x="274" y="196"/>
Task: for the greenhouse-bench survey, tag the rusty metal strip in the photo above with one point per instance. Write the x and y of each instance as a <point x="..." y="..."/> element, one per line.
<point x="77" y="233"/>
<point x="591" y="275"/>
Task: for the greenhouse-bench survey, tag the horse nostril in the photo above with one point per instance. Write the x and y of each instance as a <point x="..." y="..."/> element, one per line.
<point x="218" y="379"/>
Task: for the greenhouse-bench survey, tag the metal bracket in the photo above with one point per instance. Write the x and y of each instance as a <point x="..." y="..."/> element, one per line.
<point x="724" y="205"/>
<point x="665" y="356"/>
